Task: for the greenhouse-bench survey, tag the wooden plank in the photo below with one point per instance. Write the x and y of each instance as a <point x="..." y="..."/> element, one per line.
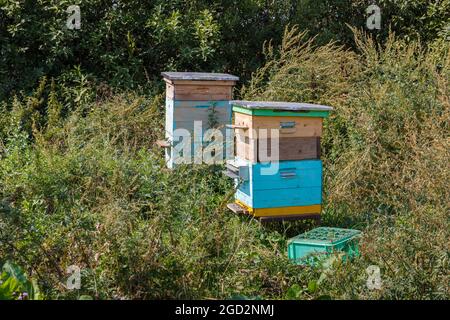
<point x="242" y="195"/>
<point x="196" y="92"/>
<point x="296" y="148"/>
<point x="199" y="76"/>
<point x="202" y="92"/>
<point x="203" y="82"/>
<point x="230" y="174"/>
<point x="287" y="211"/>
<point x="238" y="171"/>
<point x="260" y="150"/>
<point x="163" y="143"/>
<point x="302" y="127"/>
<point x="169" y="117"/>
<point x="246" y="148"/>
<point x="189" y="125"/>
<point x="236" y="208"/>
<point x="245" y="121"/>
<point x="276" y="198"/>
<point x="275" y="113"/>
<point x="287" y="197"/>
<point x="297" y="183"/>
<point x="280" y="105"/>
<point x="200" y="113"/>
<point x="170" y="91"/>
<point x="233" y="126"/>
<point x="282" y="211"/>
<point x="291" y="174"/>
<point x="199" y="104"/>
<point x="168" y="81"/>
<point x="317" y="217"/>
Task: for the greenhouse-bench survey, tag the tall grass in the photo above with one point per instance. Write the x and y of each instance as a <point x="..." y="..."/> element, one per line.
<point x="386" y="149"/>
<point x="93" y="191"/>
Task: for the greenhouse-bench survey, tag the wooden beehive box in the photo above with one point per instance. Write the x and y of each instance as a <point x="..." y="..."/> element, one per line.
<point x="299" y="126"/>
<point x="199" y="86"/>
<point x="294" y="189"/>
<point x="195" y="97"/>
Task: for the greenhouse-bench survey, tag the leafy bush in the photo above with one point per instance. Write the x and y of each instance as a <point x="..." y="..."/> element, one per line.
<point x="126" y="44"/>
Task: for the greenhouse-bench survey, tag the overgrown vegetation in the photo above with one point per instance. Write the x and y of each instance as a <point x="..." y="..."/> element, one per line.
<point x="126" y="44"/>
<point x="386" y="150"/>
<point x="81" y="182"/>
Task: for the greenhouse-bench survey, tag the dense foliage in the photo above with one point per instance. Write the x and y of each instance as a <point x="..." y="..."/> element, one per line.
<point x="386" y="150"/>
<point x="81" y="182"/>
<point x="126" y="44"/>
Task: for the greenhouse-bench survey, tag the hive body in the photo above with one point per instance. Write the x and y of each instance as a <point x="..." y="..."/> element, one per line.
<point x="278" y="174"/>
<point x="195" y="98"/>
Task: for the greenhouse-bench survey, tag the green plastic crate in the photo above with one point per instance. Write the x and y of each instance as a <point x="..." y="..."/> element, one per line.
<point x="311" y="246"/>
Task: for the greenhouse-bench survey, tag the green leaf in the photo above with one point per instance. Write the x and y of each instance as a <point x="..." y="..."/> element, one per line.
<point x="16" y="282"/>
<point x="312" y="286"/>
<point x="294" y="292"/>
<point x="9" y="288"/>
<point x="16" y="272"/>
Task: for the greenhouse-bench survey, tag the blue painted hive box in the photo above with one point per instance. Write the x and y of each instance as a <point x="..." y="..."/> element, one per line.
<point x="290" y="184"/>
<point x="321" y="242"/>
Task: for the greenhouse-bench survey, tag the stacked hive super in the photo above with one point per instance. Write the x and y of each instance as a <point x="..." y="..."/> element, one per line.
<point x="294" y="190"/>
<point x="191" y="97"/>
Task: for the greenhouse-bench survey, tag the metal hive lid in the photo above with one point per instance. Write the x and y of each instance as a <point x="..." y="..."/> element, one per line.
<point x="325" y="235"/>
<point x="280" y="105"/>
<point x="199" y="76"/>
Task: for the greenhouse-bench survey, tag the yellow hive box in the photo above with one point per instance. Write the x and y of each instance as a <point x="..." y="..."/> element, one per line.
<point x="297" y="212"/>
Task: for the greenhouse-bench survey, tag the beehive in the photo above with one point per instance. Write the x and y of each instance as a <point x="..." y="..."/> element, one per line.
<point x="294" y="190"/>
<point x="194" y="97"/>
<point x="320" y="242"/>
